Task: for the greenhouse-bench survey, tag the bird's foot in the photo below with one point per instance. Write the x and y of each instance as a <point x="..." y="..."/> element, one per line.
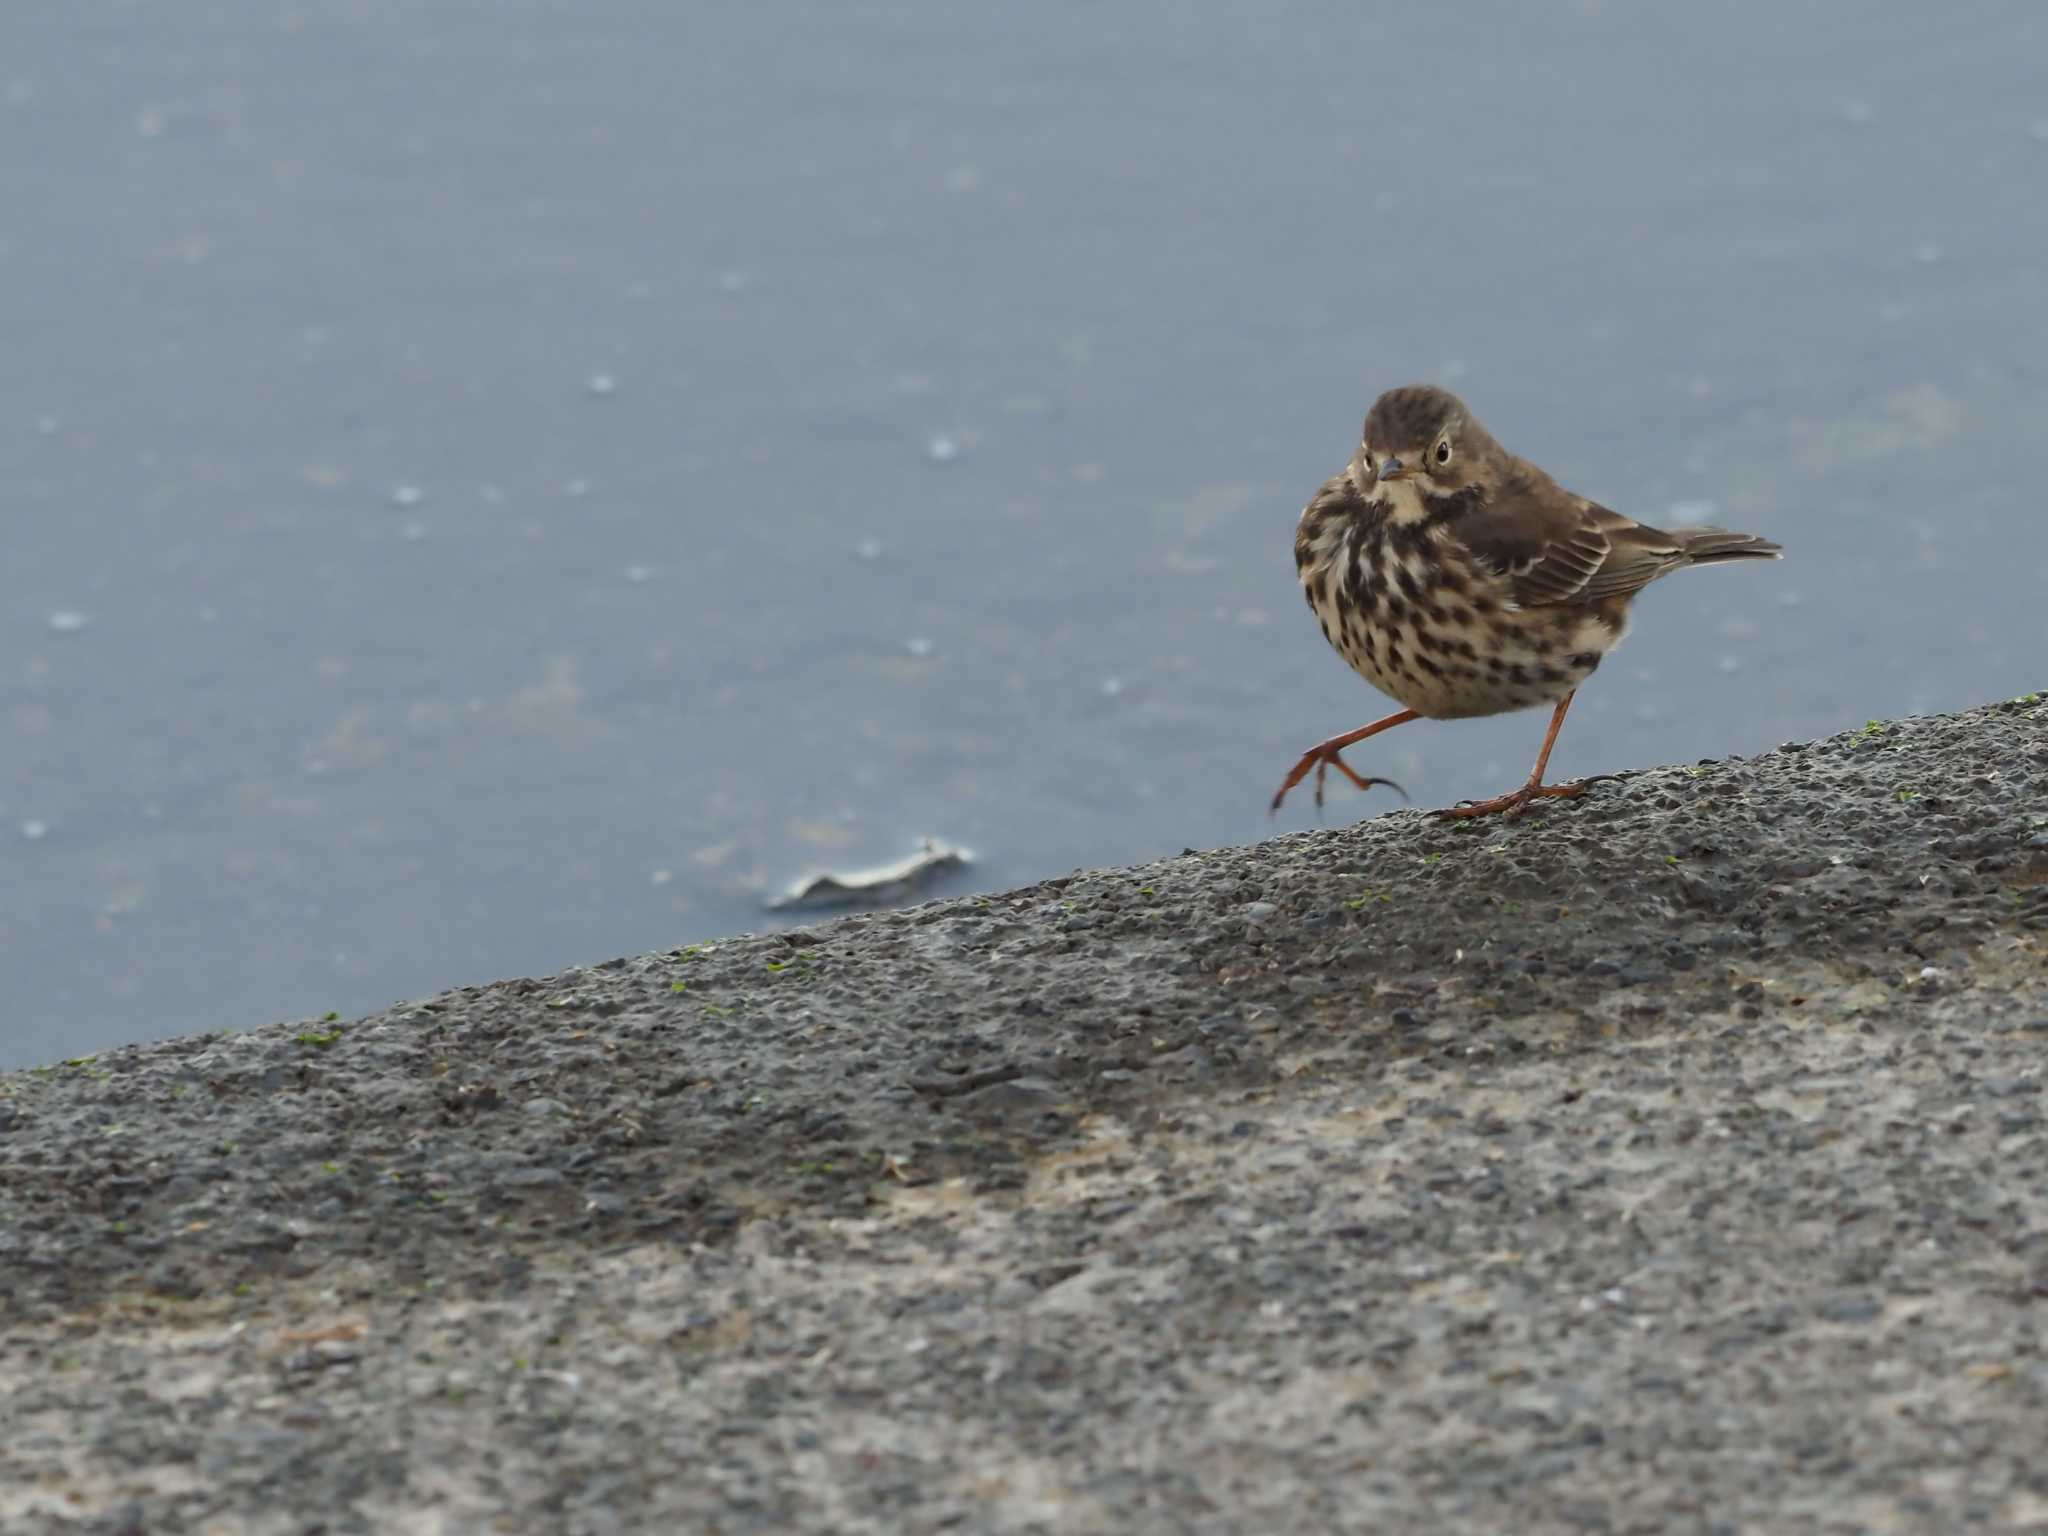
<point x="1322" y="758"/>
<point x="1513" y="803"/>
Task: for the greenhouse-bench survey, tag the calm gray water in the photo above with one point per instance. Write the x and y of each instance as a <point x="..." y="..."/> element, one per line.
<point x="493" y="485"/>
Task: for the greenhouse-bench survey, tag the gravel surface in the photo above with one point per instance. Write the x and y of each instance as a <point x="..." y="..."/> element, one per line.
<point x="1670" y="1160"/>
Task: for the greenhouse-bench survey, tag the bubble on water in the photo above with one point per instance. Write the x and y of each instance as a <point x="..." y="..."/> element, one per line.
<point x="602" y="384"/>
<point x="661" y="877"/>
<point x="490" y="493"/>
<point x="149" y="122"/>
<point x="1111" y="687"/>
<point x="407" y="496"/>
<point x="1927" y="253"/>
<point x="68" y="621"/>
<point x="918" y="645"/>
<point x="637" y="572"/>
<point x="35" y="830"/>
<point x="576" y="490"/>
<point x="941" y="449"/>
<point x="1730" y="663"/>
<point x="869" y="549"/>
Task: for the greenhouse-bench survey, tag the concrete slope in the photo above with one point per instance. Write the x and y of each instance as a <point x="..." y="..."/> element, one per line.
<point x="1673" y="1159"/>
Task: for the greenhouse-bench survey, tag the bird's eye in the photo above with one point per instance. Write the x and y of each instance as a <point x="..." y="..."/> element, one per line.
<point x="1443" y="450"/>
<point x="1365" y="458"/>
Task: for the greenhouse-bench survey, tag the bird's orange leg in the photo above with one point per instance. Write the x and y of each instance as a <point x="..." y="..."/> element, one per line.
<point x="1323" y="757"/>
<point x="1516" y="801"/>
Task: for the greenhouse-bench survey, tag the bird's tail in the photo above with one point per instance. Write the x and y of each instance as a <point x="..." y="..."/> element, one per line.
<point x="1703" y="546"/>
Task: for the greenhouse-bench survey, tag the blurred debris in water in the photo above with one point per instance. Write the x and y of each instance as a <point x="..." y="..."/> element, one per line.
<point x="879" y="886"/>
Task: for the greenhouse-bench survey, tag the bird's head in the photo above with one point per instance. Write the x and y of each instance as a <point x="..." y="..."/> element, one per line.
<point x="1420" y="443"/>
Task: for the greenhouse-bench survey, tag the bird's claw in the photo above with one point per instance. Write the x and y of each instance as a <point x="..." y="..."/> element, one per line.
<point x="1323" y="761"/>
<point x="1516" y="801"/>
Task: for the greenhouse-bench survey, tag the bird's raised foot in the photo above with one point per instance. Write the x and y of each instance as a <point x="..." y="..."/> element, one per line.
<point x="1323" y="757"/>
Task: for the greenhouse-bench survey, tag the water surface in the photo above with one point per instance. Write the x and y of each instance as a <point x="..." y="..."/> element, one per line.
<point x="491" y="486"/>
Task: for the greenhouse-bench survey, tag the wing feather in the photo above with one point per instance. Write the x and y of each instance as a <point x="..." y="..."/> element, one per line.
<point x="1555" y="547"/>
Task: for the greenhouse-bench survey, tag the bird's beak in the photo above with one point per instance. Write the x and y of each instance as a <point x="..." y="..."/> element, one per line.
<point x="1392" y="468"/>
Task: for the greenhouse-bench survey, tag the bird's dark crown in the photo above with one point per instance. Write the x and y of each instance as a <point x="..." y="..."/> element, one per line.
<point x="1412" y="416"/>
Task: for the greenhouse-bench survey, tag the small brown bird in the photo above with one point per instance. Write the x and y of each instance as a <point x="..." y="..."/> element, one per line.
<point x="1460" y="580"/>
